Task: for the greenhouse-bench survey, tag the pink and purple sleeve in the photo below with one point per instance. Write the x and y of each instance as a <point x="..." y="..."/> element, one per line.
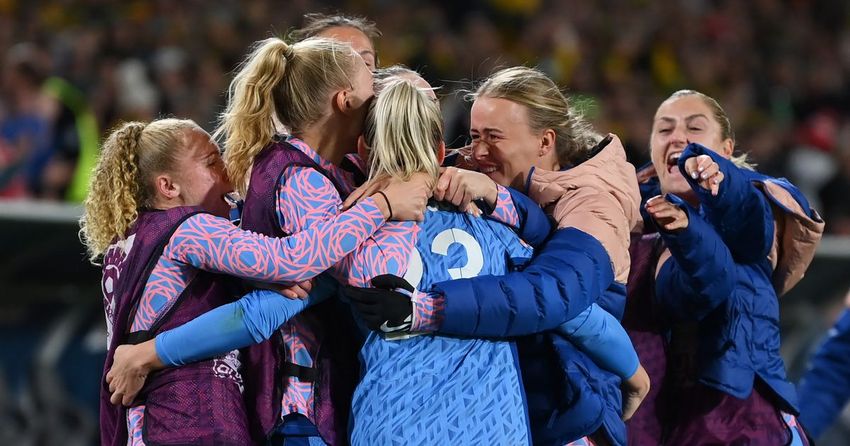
<point x="386" y="252"/>
<point x="505" y="211"/>
<point x="428" y="309"/>
<point x="521" y="213"/>
<point x="213" y="244"/>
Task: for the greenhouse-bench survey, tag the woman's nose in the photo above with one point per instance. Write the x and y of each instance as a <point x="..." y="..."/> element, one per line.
<point x="678" y="135"/>
<point x="480" y="150"/>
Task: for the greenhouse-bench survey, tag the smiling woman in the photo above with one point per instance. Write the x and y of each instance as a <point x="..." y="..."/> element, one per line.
<point x="520" y="119"/>
<point x="155" y="216"/>
<point x="734" y="241"/>
<point x="689" y="116"/>
<point x="525" y="134"/>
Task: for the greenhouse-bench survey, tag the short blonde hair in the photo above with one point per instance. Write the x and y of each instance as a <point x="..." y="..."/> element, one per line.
<point x="404" y="130"/>
<point x="122" y="182"/>
<point x="277" y="80"/>
<point x="547" y="107"/>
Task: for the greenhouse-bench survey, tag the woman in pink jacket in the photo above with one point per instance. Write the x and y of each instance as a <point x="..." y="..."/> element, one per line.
<point x="525" y="135"/>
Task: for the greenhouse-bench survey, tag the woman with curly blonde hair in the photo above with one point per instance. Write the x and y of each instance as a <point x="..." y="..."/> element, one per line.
<point x="156" y="214"/>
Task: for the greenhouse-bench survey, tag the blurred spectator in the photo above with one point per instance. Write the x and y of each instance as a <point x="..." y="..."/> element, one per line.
<point x="24" y="124"/>
<point x="780" y="67"/>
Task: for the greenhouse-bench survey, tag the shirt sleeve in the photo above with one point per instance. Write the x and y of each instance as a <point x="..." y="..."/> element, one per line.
<point x="251" y="319"/>
<point x="740" y="212"/>
<point x="213" y="244"/>
<point x="700" y="273"/>
<point x="597" y="333"/>
<point x="505" y="212"/>
<point x="386" y="252"/>
<point x="825" y="388"/>
<point x="520" y="212"/>
<point x="428" y="311"/>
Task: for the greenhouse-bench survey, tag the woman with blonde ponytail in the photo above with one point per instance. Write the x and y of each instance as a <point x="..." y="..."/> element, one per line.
<point x="156" y="216"/>
<point x="319" y="91"/>
<point x="412" y="389"/>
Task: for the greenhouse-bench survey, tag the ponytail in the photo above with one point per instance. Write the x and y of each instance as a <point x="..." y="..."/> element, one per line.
<point x="278" y="81"/>
<point x="122" y="182"/>
<point x="248" y="120"/>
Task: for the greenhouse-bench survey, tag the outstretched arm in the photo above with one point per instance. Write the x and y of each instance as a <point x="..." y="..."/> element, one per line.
<point x="213" y="244"/>
<point x="567" y="276"/>
<point x="740" y="213"/>
<point x="597" y="333"/>
<point x="251" y="319"/>
<point x="700" y="274"/>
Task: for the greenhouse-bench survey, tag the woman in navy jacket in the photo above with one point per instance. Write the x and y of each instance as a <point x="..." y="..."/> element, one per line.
<point x="735" y="241"/>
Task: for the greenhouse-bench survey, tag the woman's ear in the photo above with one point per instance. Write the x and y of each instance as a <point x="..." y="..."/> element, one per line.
<point x="547" y="142"/>
<point x="340" y="101"/>
<point x="166" y="188"/>
<point x="441" y="153"/>
<point x="728" y="148"/>
<point x="346" y="102"/>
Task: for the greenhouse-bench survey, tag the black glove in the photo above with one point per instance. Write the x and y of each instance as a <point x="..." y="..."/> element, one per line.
<point x="387" y="307"/>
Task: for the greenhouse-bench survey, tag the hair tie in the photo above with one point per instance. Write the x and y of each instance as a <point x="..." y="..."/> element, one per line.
<point x="389" y="206"/>
<point x="288" y="52"/>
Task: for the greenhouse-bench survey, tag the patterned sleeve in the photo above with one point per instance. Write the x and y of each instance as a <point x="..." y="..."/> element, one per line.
<point x="428" y="311"/>
<point x="306" y="197"/>
<point x="386" y="252"/>
<point x="505" y="211"/>
<point x="213" y="244"/>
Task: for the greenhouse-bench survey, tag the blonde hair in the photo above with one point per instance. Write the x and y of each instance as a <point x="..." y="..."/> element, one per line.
<point x="122" y="181"/>
<point x="547" y="107"/>
<point x="404" y="129"/>
<point x="726" y="131"/>
<point x="277" y="80"/>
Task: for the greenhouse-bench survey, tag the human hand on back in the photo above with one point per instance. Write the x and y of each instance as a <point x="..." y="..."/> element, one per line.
<point x="401" y="200"/>
<point x="299" y="290"/>
<point x="387" y="306"/>
<point x="461" y="187"/>
<point x="130" y="368"/>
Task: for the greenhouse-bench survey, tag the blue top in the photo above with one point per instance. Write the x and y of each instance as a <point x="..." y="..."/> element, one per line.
<point x="825" y="388"/>
<point x="740" y="213"/>
<point x="434" y="389"/>
<point x="570" y="272"/>
<point x="720" y="277"/>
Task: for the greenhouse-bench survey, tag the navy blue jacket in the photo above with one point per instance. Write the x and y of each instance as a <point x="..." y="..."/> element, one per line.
<point x="825" y="388"/>
<point x="720" y="277"/>
<point x="570" y="272"/>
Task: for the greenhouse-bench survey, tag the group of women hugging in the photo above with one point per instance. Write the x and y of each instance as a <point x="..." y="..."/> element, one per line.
<point x="371" y="287"/>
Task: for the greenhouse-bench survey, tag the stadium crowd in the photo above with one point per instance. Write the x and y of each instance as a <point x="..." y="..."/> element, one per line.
<point x="779" y="67"/>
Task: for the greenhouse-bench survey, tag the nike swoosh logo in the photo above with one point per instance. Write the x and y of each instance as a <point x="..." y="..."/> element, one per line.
<point x="403" y="326"/>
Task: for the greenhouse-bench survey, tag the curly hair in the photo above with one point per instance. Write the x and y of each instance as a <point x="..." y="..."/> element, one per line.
<point x="122" y="181"/>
